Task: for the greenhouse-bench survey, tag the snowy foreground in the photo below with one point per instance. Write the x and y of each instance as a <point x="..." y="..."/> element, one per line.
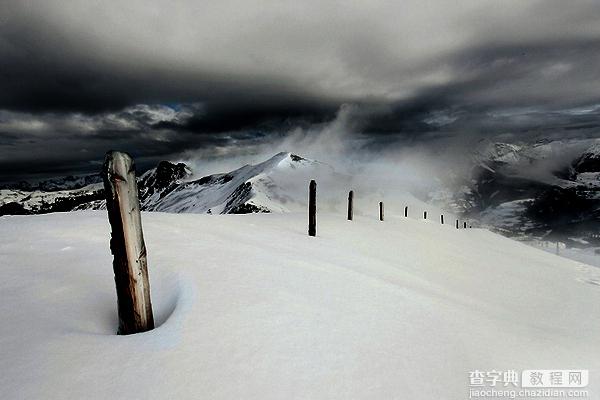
<point x="251" y="307"/>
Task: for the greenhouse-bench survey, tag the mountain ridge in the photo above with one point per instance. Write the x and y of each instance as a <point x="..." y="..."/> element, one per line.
<point x="546" y="189"/>
<point x="517" y="189"/>
<point x="171" y="187"/>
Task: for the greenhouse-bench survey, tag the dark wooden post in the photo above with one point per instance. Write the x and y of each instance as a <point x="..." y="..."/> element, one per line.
<point x="381" y="210"/>
<point x="465" y="225"/>
<point x="127" y="244"/>
<point x="442" y="219"/>
<point x="456" y="224"/>
<point x="406" y="211"/>
<point x="350" y="205"/>
<point x="312" y="208"/>
<point x="424" y="214"/>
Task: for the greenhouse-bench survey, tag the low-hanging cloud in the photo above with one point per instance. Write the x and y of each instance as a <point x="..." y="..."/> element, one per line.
<point x="235" y="79"/>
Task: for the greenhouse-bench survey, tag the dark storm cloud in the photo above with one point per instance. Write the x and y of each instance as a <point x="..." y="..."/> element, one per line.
<point x="77" y="142"/>
<point x="523" y="88"/>
<point x="160" y="80"/>
<point x="259" y="115"/>
<point x="55" y="75"/>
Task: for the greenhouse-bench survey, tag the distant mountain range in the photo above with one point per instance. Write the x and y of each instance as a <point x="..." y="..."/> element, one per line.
<point x="271" y="186"/>
<point x="548" y="189"/>
<point x="55" y="184"/>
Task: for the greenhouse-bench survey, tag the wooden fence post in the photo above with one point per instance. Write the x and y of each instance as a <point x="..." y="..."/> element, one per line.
<point x="312" y="208"/>
<point x="464" y="225"/>
<point x="381" y="210"/>
<point x="456" y="224"/>
<point x="406" y="211"/>
<point x="442" y="219"/>
<point x="350" y="205"/>
<point x="424" y="214"/>
<point x="127" y="244"/>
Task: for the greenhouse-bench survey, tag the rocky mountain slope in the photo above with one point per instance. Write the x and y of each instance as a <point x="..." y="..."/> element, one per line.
<point x="70" y="182"/>
<point x="22" y="202"/>
<point x="275" y="185"/>
<point x="545" y="190"/>
<point x="271" y="186"/>
<point x="548" y="189"/>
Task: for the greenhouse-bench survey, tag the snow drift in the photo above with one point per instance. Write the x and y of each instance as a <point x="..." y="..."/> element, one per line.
<point x="251" y="307"/>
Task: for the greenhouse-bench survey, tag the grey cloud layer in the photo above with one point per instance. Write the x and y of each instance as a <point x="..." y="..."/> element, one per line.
<point x="82" y="77"/>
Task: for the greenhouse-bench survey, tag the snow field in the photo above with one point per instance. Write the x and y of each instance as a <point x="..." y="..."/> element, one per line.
<point x="249" y="306"/>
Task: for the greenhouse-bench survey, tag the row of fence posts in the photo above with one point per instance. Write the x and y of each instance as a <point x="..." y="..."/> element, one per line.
<point x="546" y="243"/>
<point x="312" y="210"/>
<point x="127" y="240"/>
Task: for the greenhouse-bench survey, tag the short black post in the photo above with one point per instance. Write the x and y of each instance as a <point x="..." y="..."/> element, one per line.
<point x="406" y="211"/>
<point x="350" y="205"/>
<point x="465" y="225"/>
<point x="312" y="208"/>
<point x="381" y="210"/>
<point x="442" y="219"/>
<point x="424" y="214"/>
<point x="456" y="224"/>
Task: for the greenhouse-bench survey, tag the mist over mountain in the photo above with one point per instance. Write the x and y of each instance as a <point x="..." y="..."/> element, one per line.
<point x="547" y="189"/>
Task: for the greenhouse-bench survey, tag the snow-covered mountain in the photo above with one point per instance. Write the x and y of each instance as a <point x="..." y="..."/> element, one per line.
<point x="276" y="185"/>
<point x="589" y="161"/>
<point x="544" y="189"/>
<point x="20" y="202"/>
<point x="70" y="182"/>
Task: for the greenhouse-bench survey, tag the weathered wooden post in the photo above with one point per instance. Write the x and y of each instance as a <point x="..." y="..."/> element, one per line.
<point x="127" y="244"/>
<point x="350" y="205"/>
<point x="424" y="214"/>
<point x="406" y="211"/>
<point x="312" y="208"/>
<point x="442" y="219"/>
<point x="381" y="210"/>
<point x="456" y="224"/>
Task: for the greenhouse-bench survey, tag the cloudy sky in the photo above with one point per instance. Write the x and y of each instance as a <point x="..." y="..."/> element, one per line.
<point x="179" y="79"/>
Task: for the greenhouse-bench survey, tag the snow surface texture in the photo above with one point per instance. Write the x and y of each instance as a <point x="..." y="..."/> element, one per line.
<point x="249" y="306"/>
